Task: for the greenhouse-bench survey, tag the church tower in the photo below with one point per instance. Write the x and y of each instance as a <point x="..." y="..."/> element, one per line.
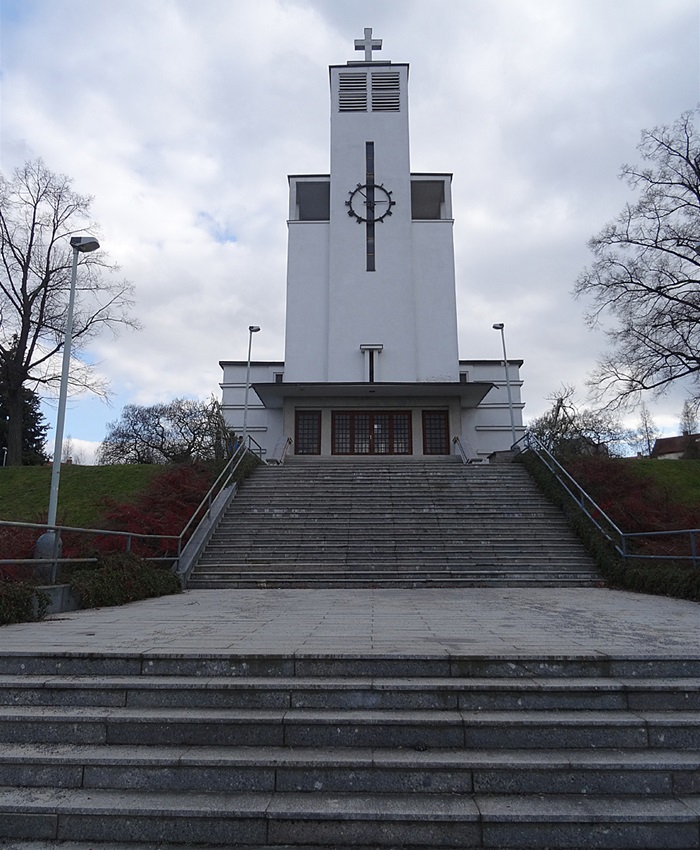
<point x="371" y="361"/>
<point x="370" y="245"/>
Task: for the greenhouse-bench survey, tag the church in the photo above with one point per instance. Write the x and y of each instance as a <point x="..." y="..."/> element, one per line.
<point x="371" y="364"/>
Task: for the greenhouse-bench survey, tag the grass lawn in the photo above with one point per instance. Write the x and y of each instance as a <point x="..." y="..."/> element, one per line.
<point x="24" y="491"/>
<point x="680" y="478"/>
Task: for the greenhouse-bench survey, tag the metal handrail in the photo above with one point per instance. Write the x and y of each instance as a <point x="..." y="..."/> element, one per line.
<point x="464" y="455"/>
<point x="260" y="451"/>
<point x="285" y="450"/>
<point x="618" y="538"/>
<point x="226" y="473"/>
<point x="223" y="480"/>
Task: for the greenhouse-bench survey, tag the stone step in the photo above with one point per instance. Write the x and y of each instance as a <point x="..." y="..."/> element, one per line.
<point x="491" y="505"/>
<point x="520" y="668"/>
<point x="299" y="692"/>
<point x="379" y="820"/>
<point x="403" y="580"/>
<point x="403" y="583"/>
<point x="321" y="553"/>
<point x="313" y="532"/>
<point x="376" y="569"/>
<point x="314" y="769"/>
<point x="348" y="728"/>
<point x="423" y="548"/>
<point x="408" y="571"/>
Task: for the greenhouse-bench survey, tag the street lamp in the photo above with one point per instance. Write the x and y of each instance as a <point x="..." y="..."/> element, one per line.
<point x="80" y="245"/>
<point x="252" y="329"/>
<point x="498" y="326"/>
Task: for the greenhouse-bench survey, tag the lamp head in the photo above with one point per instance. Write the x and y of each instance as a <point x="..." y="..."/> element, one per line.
<point x="498" y="326"/>
<point x="84" y="244"/>
<point x="253" y="329"/>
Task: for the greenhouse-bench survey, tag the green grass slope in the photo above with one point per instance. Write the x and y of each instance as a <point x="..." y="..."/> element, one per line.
<point x="679" y="478"/>
<point x="24" y="491"/>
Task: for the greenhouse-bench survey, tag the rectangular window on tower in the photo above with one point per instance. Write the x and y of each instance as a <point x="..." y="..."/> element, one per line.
<point x="313" y="200"/>
<point x="427" y="199"/>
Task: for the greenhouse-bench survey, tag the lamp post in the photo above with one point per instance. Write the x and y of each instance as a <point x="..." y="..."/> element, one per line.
<point x="80" y="245"/>
<point x="499" y="326"/>
<point x="252" y="329"/>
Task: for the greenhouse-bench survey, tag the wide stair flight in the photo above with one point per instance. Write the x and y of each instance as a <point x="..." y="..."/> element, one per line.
<point x="370" y="523"/>
<point x="145" y="751"/>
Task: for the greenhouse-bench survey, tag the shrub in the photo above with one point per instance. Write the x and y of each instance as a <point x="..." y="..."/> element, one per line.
<point x="21" y="602"/>
<point x="119" y="578"/>
<point x="17" y="542"/>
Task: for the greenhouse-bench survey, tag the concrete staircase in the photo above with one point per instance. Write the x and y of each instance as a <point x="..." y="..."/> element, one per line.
<point x="373" y="523"/>
<point x="149" y="751"/>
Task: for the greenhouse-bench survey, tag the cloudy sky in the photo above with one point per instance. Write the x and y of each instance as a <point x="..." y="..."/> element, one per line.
<point x="183" y="118"/>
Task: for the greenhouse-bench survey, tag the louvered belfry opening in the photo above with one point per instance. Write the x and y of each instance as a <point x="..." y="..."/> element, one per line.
<point x="352" y="91"/>
<point x="385" y="91"/>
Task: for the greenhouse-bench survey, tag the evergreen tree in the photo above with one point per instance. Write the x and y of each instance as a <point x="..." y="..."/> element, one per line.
<point x="34" y="428"/>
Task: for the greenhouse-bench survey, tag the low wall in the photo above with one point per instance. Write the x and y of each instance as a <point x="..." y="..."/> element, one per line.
<point x="62" y="598"/>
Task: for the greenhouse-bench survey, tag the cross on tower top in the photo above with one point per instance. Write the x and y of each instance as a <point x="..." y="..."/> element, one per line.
<point x="368" y="44"/>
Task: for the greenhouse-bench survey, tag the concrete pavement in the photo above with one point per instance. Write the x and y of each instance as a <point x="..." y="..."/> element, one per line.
<point x="435" y="622"/>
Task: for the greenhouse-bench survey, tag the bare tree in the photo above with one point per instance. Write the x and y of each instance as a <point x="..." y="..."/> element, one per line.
<point x="568" y="430"/>
<point x="646" y="434"/>
<point x="39" y="211"/>
<point x="178" y="432"/>
<point x="646" y="272"/>
<point x="689" y="418"/>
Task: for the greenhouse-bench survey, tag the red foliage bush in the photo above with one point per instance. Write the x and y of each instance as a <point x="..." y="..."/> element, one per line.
<point x="636" y="504"/>
<point x="163" y="509"/>
<point x="17" y="543"/>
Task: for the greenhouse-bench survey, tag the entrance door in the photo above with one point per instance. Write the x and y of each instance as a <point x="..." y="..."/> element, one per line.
<point x="371" y="432"/>
<point x="436" y="432"/>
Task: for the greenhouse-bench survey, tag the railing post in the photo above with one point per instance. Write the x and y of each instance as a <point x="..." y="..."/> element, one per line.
<point x="57" y="547"/>
<point x="694" y="548"/>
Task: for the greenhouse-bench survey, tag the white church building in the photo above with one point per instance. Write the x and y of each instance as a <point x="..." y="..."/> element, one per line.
<point x="371" y="364"/>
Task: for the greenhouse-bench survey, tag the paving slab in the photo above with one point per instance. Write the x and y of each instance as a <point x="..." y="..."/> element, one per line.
<point x="439" y="622"/>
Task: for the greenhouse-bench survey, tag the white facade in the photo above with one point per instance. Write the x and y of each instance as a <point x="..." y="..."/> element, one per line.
<point x="371" y="359"/>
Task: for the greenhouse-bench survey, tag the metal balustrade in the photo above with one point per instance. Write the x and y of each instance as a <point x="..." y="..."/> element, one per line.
<point x="623" y="541"/>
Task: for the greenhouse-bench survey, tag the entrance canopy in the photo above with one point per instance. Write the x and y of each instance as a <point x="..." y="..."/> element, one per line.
<point x="469" y="394"/>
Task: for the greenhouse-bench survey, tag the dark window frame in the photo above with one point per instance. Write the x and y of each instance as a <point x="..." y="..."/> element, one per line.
<point x="436" y="435"/>
<point x="303" y="445"/>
